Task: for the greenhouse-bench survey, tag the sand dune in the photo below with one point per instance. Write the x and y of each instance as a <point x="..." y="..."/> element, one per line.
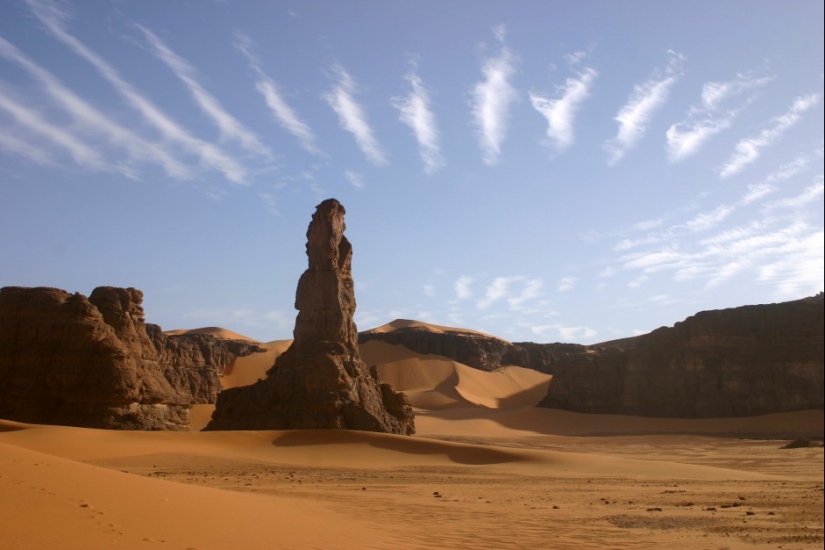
<point x="407" y="323"/>
<point x="248" y="370"/>
<point x="433" y="382"/>
<point x="52" y="502"/>
<point x="334" y="448"/>
<point x="341" y="489"/>
<point x="217" y="332"/>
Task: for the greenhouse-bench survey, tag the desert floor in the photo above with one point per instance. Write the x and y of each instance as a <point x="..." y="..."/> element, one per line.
<point x="486" y="470"/>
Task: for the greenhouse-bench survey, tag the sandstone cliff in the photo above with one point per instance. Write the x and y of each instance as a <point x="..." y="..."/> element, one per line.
<point x="320" y="381"/>
<point x="94" y="362"/>
<point x="735" y="362"/>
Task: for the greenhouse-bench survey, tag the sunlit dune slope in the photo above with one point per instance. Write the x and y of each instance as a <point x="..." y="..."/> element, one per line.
<point x="429" y="327"/>
<point x="329" y="448"/>
<point x="217" y="332"/>
<point x="52" y="502"/>
<point x="433" y="382"/>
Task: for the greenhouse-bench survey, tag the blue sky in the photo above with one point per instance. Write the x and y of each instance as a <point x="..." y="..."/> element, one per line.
<point x="543" y="171"/>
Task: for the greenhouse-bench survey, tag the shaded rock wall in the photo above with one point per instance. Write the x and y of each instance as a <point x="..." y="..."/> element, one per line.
<point x="71" y="360"/>
<point x="320" y="381"/>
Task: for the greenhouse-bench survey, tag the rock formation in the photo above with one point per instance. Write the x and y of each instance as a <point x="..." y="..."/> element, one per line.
<point x="735" y="362"/>
<point x="93" y="362"/>
<point x="320" y="381"/>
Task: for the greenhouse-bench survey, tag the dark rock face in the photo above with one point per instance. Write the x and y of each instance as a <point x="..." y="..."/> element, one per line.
<point x="735" y="362"/>
<point x="743" y="361"/>
<point x="66" y="359"/>
<point x="320" y="381"/>
<point x="193" y="362"/>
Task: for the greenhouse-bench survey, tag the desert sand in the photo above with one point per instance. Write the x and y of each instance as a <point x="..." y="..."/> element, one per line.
<point x="485" y="470"/>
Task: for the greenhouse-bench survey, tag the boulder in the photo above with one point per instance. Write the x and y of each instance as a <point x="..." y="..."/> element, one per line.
<point x="320" y="381"/>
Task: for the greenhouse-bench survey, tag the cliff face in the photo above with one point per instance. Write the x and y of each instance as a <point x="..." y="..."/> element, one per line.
<point x="94" y="362"/>
<point x="320" y="381"/>
<point x="736" y="362"/>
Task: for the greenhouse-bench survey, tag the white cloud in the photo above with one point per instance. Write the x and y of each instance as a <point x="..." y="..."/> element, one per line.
<point x="636" y="114"/>
<point x="715" y="93"/>
<point x="243" y="316"/>
<point x="778" y="250"/>
<point x="749" y="149"/>
<point x="575" y="57"/>
<point x="429" y="290"/>
<point x="83" y="154"/>
<point x="705" y="120"/>
<point x="530" y="291"/>
<point x="577" y="333"/>
<point x="638" y="281"/>
<point x="89" y="119"/>
<point x="228" y="125"/>
<point x="648" y="224"/>
<point x="355" y="179"/>
<point x="498" y="290"/>
<point x="561" y="112"/>
<point x="416" y="113"/>
<point x="607" y="272"/>
<point x="271" y="203"/>
<point x="491" y="99"/>
<point x="809" y="195"/>
<point x="707" y="220"/>
<point x="352" y="117"/>
<point x="13" y="144"/>
<point x="566" y="284"/>
<point x="285" y="115"/>
<point x="462" y="287"/>
<point x="515" y="290"/>
<point x="798" y="271"/>
<point x="757" y="191"/>
<point x="54" y="20"/>
<point x="687" y="137"/>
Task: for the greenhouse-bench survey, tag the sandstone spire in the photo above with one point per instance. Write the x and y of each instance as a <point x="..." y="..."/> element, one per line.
<point x="320" y="381"/>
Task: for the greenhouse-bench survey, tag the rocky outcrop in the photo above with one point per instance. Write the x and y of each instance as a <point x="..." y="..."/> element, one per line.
<point x="477" y="350"/>
<point x="320" y="381"/>
<point x="735" y="362"/>
<point x="94" y="362"/>
<point x="193" y="362"/>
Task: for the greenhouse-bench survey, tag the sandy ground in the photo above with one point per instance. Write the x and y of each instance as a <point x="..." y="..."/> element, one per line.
<point x="486" y="470"/>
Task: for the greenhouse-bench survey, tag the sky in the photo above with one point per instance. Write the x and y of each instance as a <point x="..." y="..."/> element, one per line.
<point x="540" y="171"/>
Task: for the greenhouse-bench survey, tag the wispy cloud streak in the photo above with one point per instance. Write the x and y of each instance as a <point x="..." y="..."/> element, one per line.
<point x="462" y="287"/>
<point x="491" y="99"/>
<point x="749" y="149"/>
<point x="54" y="20"/>
<point x="561" y="111"/>
<point x="757" y="191"/>
<point x="89" y="118"/>
<point x="707" y="119"/>
<point x="228" y="125"/>
<point x="416" y="113"/>
<point x="502" y="289"/>
<point x="13" y="144"/>
<point x="286" y="116"/>
<point x="82" y="153"/>
<point x="644" y="101"/>
<point x="352" y="117"/>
